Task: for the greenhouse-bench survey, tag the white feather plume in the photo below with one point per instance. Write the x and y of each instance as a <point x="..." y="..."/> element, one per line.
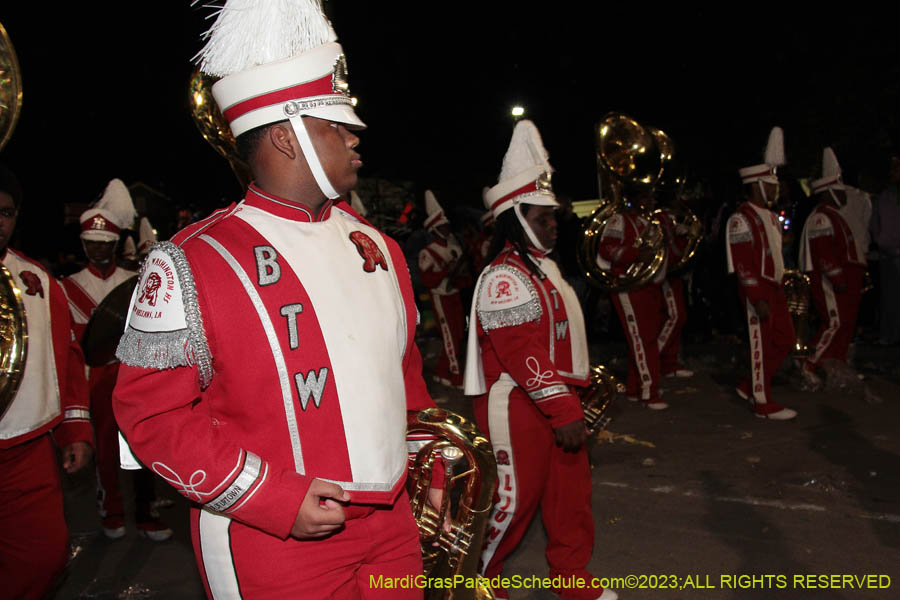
<point x="248" y="33"/>
<point x="117" y="200"/>
<point x="774" y="156"/>
<point x="432" y="206"/>
<point x="830" y="165"/>
<point x="526" y="149"/>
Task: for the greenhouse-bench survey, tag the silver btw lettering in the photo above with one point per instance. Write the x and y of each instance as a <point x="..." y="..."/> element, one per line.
<point x="268" y="271"/>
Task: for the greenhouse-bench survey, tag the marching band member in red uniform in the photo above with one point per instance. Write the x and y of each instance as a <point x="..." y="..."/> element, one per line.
<point x="49" y="410"/>
<point x="674" y="303"/>
<point x="85" y="291"/>
<point x="526" y="355"/>
<point x="754" y="254"/>
<point x="830" y="254"/>
<point x="269" y="359"/>
<point x="640" y="309"/>
<point x="442" y="267"/>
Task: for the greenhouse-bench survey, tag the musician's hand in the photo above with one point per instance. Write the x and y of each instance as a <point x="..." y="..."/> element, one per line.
<point x="320" y="514"/>
<point x="762" y="310"/>
<point x="571" y="436"/>
<point x="75" y="456"/>
<point x="435" y="497"/>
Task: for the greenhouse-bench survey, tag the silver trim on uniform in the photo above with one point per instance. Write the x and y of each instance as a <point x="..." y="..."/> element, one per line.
<point x="510" y="317"/>
<point x="284" y="378"/>
<point x="241" y="484"/>
<point x="546" y="392"/>
<point x="77" y="413"/>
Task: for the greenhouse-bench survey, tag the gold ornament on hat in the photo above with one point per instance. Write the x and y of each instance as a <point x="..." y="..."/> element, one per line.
<point x="98" y="222"/>
<point x="543" y="182"/>
<point x="339" y="83"/>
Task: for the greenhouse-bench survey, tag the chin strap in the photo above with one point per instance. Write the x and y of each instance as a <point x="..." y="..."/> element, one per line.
<point x="312" y="159"/>
<point x="528" y="232"/>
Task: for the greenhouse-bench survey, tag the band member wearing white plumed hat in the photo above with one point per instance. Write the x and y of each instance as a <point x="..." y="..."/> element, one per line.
<point x="444" y="270"/>
<point x="754" y="255"/>
<point x="526" y="356"/>
<point x="269" y="358"/>
<point x="829" y="253"/>
<point x="85" y="290"/>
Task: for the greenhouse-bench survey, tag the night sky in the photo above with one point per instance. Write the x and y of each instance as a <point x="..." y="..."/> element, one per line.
<point x="105" y="93"/>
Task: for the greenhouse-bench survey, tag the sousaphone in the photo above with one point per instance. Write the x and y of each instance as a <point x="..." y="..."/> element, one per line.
<point x="13" y="326"/>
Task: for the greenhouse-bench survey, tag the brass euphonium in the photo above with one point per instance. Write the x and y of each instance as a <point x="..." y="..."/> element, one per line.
<point x="628" y="154"/>
<point x="13" y="326"/>
<point x="798" y="295"/>
<point x="459" y="525"/>
<point x="597" y="398"/>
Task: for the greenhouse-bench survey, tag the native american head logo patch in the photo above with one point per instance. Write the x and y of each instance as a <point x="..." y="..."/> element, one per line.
<point x="32" y="284"/>
<point x="502" y="457"/>
<point x="151" y="289"/>
<point x="503" y="289"/>
<point x="368" y="249"/>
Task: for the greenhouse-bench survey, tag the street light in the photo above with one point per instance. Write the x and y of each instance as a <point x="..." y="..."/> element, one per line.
<point x="518" y="111"/>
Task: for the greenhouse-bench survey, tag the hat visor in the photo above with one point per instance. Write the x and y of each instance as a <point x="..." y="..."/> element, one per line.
<point x="99" y="236"/>
<point x="338" y="113"/>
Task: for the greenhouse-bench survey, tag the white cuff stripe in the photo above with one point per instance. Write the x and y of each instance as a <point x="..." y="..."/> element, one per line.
<point x="244" y="481"/>
<point x="548" y="391"/>
<point x="77" y="413"/>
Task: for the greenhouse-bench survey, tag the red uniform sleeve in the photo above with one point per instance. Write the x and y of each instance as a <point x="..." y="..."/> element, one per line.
<point x="73" y="388"/>
<point x="745" y="257"/>
<point x="823" y="249"/>
<point x="618" y="243"/>
<point x="523" y="356"/>
<point x="169" y="425"/>
<point x="432" y="270"/>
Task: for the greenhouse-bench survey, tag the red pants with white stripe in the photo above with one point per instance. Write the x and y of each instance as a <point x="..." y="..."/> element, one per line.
<point x="640" y="311"/>
<point x="237" y="561"/>
<point x="34" y="539"/>
<point x="533" y="473"/>
<point x="674" y="318"/>
<point x="448" y="311"/>
<point x="770" y="343"/>
<point x="838" y="312"/>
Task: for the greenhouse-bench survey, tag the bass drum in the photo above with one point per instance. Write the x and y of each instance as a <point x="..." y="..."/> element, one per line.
<point x="105" y="328"/>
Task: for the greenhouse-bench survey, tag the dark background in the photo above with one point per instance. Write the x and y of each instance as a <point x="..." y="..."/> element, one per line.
<point x="105" y="93"/>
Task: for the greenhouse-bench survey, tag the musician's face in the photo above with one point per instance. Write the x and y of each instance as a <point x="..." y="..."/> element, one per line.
<point x="542" y="220"/>
<point x="99" y="254"/>
<point x="8" y="215"/>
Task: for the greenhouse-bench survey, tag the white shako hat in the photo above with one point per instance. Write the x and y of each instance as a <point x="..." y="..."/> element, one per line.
<point x="98" y="225"/>
<point x="831" y="174"/>
<point x="434" y="214"/>
<point x="525" y="176"/>
<point x="110" y="215"/>
<point x="488" y="217"/>
<point x="356" y="204"/>
<point x="146" y="236"/>
<point x="278" y="60"/>
<point x="772" y="159"/>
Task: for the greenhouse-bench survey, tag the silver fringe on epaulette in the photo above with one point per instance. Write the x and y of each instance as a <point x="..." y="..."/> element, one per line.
<point x="510" y="317"/>
<point x="170" y="349"/>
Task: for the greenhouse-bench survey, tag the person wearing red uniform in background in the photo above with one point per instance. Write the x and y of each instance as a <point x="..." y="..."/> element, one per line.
<point x="269" y="360"/>
<point x="526" y="357"/>
<point x="444" y="271"/>
<point x="640" y="308"/>
<point x="48" y="411"/>
<point x="830" y="254"/>
<point x="674" y="302"/>
<point x="754" y="255"/>
<point x="85" y="290"/>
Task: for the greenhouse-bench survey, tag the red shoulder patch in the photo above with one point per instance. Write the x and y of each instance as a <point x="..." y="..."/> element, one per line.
<point x="32" y="283"/>
<point x="368" y="249"/>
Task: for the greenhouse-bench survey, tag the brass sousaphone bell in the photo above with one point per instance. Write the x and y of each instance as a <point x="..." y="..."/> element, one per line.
<point x="13" y="326"/>
<point x="629" y="157"/>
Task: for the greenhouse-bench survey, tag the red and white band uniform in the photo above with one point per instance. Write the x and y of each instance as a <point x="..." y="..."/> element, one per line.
<point x="527" y="350"/>
<point x="640" y="309"/>
<point x="674" y="303"/>
<point x="51" y="405"/>
<point x="836" y="267"/>
<point x="436" y="262"/>
<point x="754" y="254"/>
<point x="268" y="346"/>
<point x="85" y="290"/>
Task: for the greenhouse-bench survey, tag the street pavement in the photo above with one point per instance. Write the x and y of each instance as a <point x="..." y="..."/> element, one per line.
<point x="703" y="500"/>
